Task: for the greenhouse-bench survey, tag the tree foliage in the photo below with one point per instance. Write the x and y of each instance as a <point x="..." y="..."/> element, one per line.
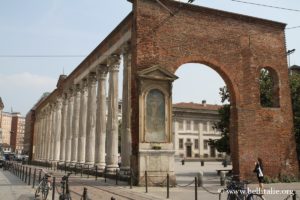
<point x="222" y="144"/>
<point x="295" y="95"/>
<point x="266" y="99"/>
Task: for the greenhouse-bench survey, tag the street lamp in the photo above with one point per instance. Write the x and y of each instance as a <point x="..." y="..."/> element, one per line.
<point x="288" y="53"/>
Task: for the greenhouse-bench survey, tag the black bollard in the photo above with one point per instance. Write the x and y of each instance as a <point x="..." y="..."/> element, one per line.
<point x="53" y="188"/>
<point x="117" y="174"/>
<point x="29" y="178"/>
<point x="34" y="177"/>
<point x="81" y="170"/>
<point x="96" y="172"/>
<point x="75" y="169"/>
<point x="105" y="175"/>
<point x="65" y="167"/>
<point x="182" y="161"/>
<point x="294" y="195"/>
<point x="130" y="178"/>
<point x="196" y="188"/>
<point x="26" y="175"/>
<point x="88" y="172"/>
<point x="146" y="181"/>
<point x="40" y="176"/>
<point x="202" y="163"/>
<point x="168" y="186"/>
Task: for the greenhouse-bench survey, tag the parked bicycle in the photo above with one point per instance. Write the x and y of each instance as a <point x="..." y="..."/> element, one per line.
<point x="43" y="187"/>
<point x="64" y="193"/>
<point x="238" y="190"/>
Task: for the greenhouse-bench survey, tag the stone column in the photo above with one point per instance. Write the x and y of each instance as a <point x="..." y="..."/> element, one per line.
<point x="112" y="137"/>
<point x="69" y="126"/>
<point x="42" y="147"/>
<point x="45" y="129"/>
<point x="49" y="132"/>
<point x="58" y="130"/>
<point x="91" y="120"/>
<point x="36" y="137"/>
<point x="101" y="117"/>
<point x="82" y="122"/>
<point x="53" y="131"/>
<point x="75" y="124"/>
<point x="63" y="128"/>
<point x="126" y="110"/>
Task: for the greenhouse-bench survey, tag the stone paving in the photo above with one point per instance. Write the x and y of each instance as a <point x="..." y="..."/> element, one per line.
<point x="100" y="190"/>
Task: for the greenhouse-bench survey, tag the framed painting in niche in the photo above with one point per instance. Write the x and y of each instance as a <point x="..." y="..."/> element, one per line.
<point x="155" y="129"/>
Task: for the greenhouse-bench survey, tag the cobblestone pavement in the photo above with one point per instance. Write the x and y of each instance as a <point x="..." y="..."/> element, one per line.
<point x="99" y="189"/>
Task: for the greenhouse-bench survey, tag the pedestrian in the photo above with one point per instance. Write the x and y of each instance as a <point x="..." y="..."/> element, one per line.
<point x="259" y="173"/>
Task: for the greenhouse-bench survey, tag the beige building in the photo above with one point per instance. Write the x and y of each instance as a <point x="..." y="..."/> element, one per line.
<point x="6" y="127"/>
<point x="193" y="127"/>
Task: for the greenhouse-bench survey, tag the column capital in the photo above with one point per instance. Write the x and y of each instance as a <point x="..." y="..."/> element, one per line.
<point x="126" y="48"/>
<point x="59" y="102"/>
<point x="113" y="62"/>
<point x="102" y="71"/>
<point x="92" y="78"/>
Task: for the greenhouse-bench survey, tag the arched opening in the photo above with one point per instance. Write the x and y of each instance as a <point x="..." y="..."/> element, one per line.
<point x="201" y="116"/>
<point x="269" y="88"/>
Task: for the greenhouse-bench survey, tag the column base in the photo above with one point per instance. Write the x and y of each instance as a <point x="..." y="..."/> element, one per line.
<point x="100" y="166"/>
<point x="111" y="169"/>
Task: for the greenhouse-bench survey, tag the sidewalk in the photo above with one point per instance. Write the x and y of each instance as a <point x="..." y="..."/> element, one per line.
<point x="12" y="188"/>
<point x="99" y="189"/>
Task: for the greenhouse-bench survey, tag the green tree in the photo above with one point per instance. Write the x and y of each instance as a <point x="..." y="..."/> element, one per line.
<point x="266" y="100"/>
<point x="222" y="144"/>
<point x="295" y="95"/>
<point x="266" y="85"/>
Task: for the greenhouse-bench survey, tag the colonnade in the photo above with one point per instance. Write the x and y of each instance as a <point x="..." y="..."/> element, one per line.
<point x="81" y="124"/>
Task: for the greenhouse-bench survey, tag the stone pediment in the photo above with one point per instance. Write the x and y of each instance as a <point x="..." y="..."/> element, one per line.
<point x="157" y="73"/>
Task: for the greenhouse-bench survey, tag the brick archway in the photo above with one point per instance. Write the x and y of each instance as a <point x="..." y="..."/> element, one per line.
<point x="236" y="46"/>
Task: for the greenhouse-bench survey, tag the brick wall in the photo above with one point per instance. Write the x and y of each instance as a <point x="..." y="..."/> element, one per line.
<point x="237" y="47"/>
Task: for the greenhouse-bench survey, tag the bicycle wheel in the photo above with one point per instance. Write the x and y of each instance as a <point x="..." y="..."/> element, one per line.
<point x="37" y="192"/>
<point x="255" y="197"/>
<point x="45" y="193"/>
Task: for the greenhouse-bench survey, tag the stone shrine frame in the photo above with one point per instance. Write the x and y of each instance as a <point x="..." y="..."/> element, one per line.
<point x="155" y="104"/>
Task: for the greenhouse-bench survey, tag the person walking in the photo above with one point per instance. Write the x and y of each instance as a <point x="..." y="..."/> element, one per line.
<point x="259" y="173"/>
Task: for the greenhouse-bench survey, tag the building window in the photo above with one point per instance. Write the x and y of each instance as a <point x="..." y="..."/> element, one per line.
<point x="204" y="126"/>
<point x="196" y="144"/>
<point x="188" y="125"/>
<point x="197" y="155"/>
<point x="180" y="125"/>
<point x="180" y="143"/>
<point x="205" y="144"/>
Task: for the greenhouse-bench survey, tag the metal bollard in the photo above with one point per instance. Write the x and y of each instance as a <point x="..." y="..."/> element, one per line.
<point x="29" y="178"/>
<point x="222" y="178"/>
<point x="84" y="195"/>
<point x="105" y="175"/>
<point x="75" y="169"/>
<point x="131" y="178"/>
<point x="53" y="188"/>
<point x="202" y="163"/>
<point x="196" y="189"/>
<point x="40" y="176"/>
<point x="65" y="167"/>
<point x="200" y="178"/>
<point x="88" y="172"/>
<point x="117" y="174"/>
<point x="26" y="175"/>
<point x="294" y="195"/>
<point x="34" y="177"/>
<point x="81" y="171"/>
<point x="146" y="181"/>
<point x="96" y="172"/>
<point x="168" y="186"/>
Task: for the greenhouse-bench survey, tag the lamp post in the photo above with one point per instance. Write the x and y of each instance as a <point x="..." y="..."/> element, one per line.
<point x="288" y="53"/>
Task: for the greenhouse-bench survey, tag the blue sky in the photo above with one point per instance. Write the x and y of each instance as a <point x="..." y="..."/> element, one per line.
<point x="58" y="27"/>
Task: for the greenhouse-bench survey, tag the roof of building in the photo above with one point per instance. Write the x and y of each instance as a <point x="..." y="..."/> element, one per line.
<point x="197" y="106"/>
